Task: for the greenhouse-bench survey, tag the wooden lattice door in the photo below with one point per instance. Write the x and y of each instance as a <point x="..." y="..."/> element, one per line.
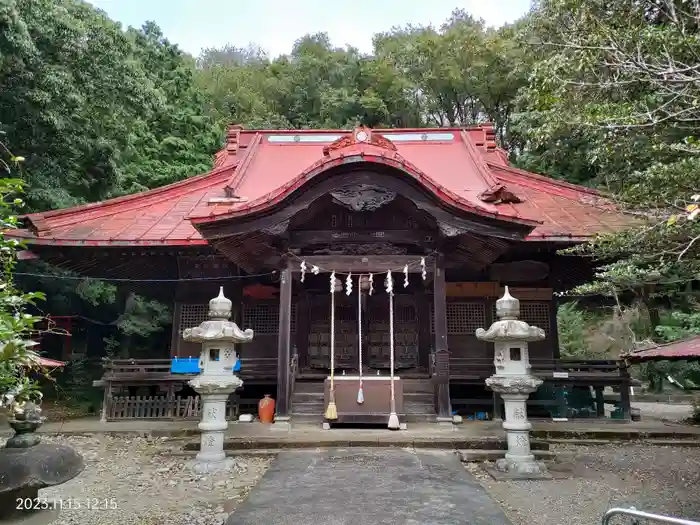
<point x="320" y="332"/>
<point x="405" y="332"/>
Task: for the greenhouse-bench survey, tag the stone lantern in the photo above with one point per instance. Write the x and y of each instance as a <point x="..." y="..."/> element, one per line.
<point x="514" y="382"/>
<point x="216" y="381"/>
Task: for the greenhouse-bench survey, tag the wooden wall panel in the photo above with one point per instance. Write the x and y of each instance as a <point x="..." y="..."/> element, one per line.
<point x="465" y="315"/>
<point x="261" y="316"/>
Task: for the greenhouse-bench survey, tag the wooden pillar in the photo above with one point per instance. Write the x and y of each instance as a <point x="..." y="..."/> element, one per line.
<point x="423" y="318"/>
<point x="553" y="327"/>
<point x="625" y="400"/>
<point x="302" y="333"/>
<point x="442" y="355"/>
<point x="599" y="401"/>
<point x="106" y="402"/>
<point x="175" y="336"/>
<point x="284" y="343"/>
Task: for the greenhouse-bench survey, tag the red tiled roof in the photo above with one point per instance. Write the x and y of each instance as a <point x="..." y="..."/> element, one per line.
<point x="685" y="349"/>
<point x="45" y="362"/>
<point x="257" y="169"/>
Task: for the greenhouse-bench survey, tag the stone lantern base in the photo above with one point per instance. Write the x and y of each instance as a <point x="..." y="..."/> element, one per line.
<point x="519" y="462"/>
<point x="214" y="393"/>
<point x="522" y="468"/>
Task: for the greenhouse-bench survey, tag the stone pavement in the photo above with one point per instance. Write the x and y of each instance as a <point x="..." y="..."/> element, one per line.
<point x="368" y="487"/>
<point x="581" y="429"/>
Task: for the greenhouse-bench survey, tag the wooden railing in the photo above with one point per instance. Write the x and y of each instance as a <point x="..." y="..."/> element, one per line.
<point x="140" y="371"/>
<point x="124" y="373"/>
<point x="162" y="407"/>
<point x="559" y="371"/>
<point x="260" y="369"/>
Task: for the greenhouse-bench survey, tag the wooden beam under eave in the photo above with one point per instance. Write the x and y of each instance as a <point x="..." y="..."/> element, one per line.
<point x="310" y="237"/>
<point x="365" y="263"/>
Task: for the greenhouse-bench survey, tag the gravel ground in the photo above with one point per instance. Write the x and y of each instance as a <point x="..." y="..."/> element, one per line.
<point x="663" y="480"/>
<point x="663" y="411"/>
<point x="148" y="485"/>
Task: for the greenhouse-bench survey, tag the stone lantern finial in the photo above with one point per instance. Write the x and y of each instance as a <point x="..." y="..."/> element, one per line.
<point x="220" y="306"/>
<point x="507" y="307"/>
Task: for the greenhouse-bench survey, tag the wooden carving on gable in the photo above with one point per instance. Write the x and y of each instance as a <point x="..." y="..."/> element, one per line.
<point x="361" y="135"/>
<point x="363" y="197"/>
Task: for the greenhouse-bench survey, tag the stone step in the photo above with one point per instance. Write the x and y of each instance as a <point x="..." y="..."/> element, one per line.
<point x="419" y="418"/>
<point x="419" y="409"/>
<point x="304" y="387"/>
<point x="344" y="439"/>
<point x="308" y="408"/>
<point x="417" y="386"/>
<point x="407" y="418"/>
<point x="307" y="418"/>
<point x="319" y="404"/>
<point x="304" y="397"/>
<point x="416" y="396"/>
<point x="478" y="455"/>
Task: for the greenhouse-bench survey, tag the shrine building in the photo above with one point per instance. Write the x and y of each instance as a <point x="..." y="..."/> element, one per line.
<point x="442" y="209"/>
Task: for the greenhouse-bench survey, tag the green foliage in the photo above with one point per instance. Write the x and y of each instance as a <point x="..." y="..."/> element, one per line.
<point x="74" y="386"/>
<point x="573" y="325"/>
<point x="144" y="317"/>
<point x="17" y="359"/>
<point x="587" y="333"/>
<point x="462" y="74"/>
<point x="417" y="76"/>
<point x="679" y="325"/>
<point x="95" y="110"/>
<point x="316" y="86"/>
<point x="612" y="100"/>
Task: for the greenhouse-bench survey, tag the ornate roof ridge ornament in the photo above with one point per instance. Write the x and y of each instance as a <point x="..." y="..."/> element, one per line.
<point x="360" y="135"/>
<point x="499" y="194"/>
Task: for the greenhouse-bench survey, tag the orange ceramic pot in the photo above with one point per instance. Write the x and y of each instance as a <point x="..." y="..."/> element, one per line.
<point x="266" y="409"/>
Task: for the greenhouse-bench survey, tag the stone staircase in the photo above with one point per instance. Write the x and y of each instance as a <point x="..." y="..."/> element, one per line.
<point x="307" y="402"/>
<point x="308" y="406"/>
<point x="419" y="401"/>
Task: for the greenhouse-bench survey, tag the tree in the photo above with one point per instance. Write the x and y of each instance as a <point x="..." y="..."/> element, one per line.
<point x="315" y="86"/>
<point x="96" y="111"/>
<point x="617" y="84"/>
<point x="462" y="74"/>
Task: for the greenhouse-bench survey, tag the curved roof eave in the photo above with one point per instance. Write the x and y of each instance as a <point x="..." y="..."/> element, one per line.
<point x="37" y="221"/>
<point x="362" y="155"/>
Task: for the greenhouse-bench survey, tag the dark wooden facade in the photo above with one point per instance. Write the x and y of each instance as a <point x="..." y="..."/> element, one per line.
<point x="369" y="232"/>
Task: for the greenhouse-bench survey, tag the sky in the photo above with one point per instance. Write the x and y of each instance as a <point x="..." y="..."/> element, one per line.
<point x="275" y="24"/>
